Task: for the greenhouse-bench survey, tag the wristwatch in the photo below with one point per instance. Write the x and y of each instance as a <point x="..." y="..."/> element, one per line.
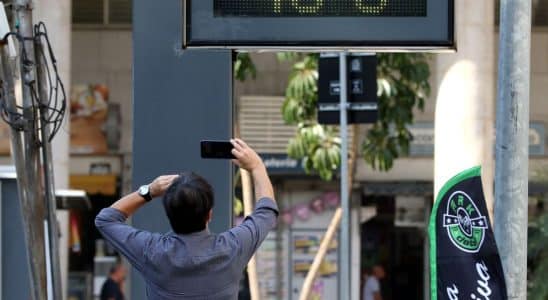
<point x="144" y="191"/>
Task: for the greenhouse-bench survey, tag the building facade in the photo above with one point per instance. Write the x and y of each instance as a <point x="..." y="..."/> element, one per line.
<point x="390" y="209"/>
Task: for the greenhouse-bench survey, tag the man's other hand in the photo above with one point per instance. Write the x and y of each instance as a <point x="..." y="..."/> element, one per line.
<point x="159" y="186"/>
<point x="246" y="158"/>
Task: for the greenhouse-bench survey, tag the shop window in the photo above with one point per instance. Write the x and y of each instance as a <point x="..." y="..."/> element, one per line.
<point x="105" y="13"/>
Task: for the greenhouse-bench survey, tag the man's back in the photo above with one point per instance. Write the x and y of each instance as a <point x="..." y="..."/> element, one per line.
<point x="190" y="266"/>
<point x="191" y="263"/>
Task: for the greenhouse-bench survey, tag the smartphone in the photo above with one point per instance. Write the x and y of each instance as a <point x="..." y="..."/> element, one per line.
<point x="216" y="149"/>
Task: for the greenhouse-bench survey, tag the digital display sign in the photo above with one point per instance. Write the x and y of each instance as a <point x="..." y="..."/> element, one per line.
<point x="320" y="8"/>
<point x="319" y="25"/>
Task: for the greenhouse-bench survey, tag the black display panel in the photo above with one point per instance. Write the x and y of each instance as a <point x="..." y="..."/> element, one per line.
<point x="361" y="89"/>
<point x="320" y="8"/>
<point x="319" y="25"/>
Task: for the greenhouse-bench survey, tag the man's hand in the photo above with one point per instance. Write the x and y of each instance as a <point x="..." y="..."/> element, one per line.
<point x="246" y="158"/>
<point x="159" y="186"/>
<point x="130" y="203"/>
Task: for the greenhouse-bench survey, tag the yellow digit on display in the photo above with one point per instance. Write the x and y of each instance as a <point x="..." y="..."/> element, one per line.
<point x="277" y="6"/>
<point x="310" y="9"/>
<point x="371" y="9"/>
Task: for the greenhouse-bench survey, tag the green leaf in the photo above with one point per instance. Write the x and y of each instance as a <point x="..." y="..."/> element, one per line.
<point x="244" y="67"/>
<point x="288" y="56"/>
<point x="238" y="206"/>
<point x="402" y="86"/>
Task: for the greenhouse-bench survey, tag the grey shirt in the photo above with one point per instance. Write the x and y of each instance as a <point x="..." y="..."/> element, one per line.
<point x="199" y="265"/>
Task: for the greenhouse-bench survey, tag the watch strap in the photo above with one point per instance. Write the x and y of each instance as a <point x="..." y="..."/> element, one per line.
<point x="147" y="196"/>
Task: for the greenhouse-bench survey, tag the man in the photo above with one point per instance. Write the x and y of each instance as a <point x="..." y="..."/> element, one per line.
<point x="190" y="262"/>
<point x="372" y="289"/>
<point x="112" y="287"/>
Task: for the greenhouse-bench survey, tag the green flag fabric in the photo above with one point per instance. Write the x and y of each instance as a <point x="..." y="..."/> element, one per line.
<point x="464" y="260"/>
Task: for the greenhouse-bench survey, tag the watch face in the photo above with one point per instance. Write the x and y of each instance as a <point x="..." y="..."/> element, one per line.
<point x="143" y="190"/>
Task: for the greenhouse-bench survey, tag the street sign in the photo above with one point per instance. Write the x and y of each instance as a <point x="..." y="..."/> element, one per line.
<point x="319" y="24"/>
<point x="362" y="89"/>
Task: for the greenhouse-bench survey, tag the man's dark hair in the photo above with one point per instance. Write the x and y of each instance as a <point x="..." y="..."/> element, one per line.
<point x="187" y="202"/>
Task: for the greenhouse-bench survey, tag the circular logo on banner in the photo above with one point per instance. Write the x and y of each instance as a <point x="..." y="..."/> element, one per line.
<point x="464" y="222"/>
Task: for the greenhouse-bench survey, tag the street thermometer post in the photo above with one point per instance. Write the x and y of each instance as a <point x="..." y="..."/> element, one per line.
<point x="345" y="287"/>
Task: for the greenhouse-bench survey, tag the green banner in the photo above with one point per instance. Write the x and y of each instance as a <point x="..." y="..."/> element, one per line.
<point x="464" y="260"/>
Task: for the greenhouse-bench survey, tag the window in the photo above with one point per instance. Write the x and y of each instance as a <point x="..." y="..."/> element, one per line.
<point x="102" y="12"/>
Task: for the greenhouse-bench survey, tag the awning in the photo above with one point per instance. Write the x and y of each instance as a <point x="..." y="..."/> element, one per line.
<point x="407" y="188"/>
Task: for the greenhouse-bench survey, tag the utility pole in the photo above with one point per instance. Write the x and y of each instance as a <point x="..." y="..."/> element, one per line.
<point x="33" y="234"/>
<point x="51" y="230"/>
<point x="32" y="201"/>
<point x="25" y="82"/>
<point x="512" y="143"/>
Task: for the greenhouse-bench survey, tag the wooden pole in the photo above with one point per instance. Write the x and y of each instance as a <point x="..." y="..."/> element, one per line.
<point x="247" y="192"/>
<point x="248" y="204"/>
<point x="314" y="268"/>
<point x="335" y="222"/>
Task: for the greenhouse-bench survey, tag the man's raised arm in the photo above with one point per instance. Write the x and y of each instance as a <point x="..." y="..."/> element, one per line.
<point x="132" y="202"/>
<point x="111" y="222"/>
<point x="248" y="159"/>
<point x="256" y="226"/>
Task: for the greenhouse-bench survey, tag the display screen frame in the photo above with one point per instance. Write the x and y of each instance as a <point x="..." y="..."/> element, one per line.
<point x="226" y="32"/>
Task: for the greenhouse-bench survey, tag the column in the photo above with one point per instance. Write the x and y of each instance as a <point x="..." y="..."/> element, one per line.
<point x="464" y="122"/>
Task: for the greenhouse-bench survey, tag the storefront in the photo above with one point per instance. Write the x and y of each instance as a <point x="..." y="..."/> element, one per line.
<point x="307" y="205"/>
<point x="388" y="227"/>
<point x="395" y="236"/>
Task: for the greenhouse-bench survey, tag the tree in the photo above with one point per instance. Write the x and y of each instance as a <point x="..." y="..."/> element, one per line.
<point x="244" y="67"/>
<point x="402" y="81"/>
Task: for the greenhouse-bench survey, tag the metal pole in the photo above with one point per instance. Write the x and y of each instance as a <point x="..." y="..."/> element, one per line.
<point x="32" y="199"/>
<point x="511" y="169"/>
<point x="32" y="233"/>
<point x="51" y="224"/>
<point x="344" y="286"/>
